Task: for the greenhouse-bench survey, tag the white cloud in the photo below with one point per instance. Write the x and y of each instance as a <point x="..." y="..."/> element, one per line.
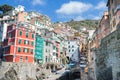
<point x="101" y="5"/>
<point x="97" y="18"/>
<point x="74" y="7"/>
<point x="38" y="2"/>
<point x="79" y="18"/>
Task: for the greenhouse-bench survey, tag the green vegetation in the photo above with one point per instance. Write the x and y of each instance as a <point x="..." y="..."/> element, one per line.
<point x="4" y="9"/>
<point x="89" y="24"/>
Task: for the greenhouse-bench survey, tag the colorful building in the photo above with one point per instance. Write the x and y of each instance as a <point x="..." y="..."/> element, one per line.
<point x="19" y="44"/>
<point x="39" y="49"/>
<point x="72" y="46"/>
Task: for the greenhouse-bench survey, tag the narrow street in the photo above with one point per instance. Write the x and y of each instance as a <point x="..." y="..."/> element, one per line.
<point x="64" y="74"/>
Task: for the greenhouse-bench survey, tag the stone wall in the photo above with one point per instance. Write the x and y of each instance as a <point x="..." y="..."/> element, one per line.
<point x="21" y="71"/>
<point x="108" y="57"/>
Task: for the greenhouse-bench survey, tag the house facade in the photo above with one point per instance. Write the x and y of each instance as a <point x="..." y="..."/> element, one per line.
<point x="19" y="44"/>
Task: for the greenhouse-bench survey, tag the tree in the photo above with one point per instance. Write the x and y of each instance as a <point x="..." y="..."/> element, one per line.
<point x="5" y="8"/>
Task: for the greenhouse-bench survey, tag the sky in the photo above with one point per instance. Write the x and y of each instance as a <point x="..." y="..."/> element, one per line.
<point x="63" y="10"/>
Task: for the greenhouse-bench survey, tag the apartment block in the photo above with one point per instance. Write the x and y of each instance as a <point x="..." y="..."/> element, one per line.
<point x="19" y="45"/>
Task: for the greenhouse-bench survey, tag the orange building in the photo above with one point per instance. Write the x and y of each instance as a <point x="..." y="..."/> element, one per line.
<point x="19" y="44"/>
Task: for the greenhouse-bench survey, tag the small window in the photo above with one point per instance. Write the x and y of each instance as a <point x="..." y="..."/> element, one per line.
<point x="20" y="41"/>
<point x="25" y="50"/>
<point x="69" y="50"/>
<point x="26" y="42"/>
<point x="31" y="51"/>
<point x="46" y="59"/>
<point x="54" y="54"/>
<point x="26" y="58"/>
<point x="32" y="35"/>
<point x="68" y="42"/>
<point x="21" y="59"/>
<point x="47" y="43"/>
<point x="20" y="33"/>
<point x="32" y="43"/>
<point x="19" y="49"/>
<point x="26" y="34"/>
<point x="73" y="50"/>
<point x="68" y="46"/>
<point x="72" y="46"/>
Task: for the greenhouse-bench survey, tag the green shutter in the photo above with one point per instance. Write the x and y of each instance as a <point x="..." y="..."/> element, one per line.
<point x="32" y="43"/>
<point x="26" y="34"/>
<point x="24" y="41"/>
<point x="20" y="41"/>
<point x="19" y="49"/>
<point x="32" y="35"/>
<point x="20" y="33"/>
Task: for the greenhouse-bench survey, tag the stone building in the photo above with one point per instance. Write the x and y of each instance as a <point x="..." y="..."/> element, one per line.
<point x="114" y="13"/>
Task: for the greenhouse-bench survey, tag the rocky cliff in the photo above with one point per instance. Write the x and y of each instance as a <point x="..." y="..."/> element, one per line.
<point x="21" y="71"/>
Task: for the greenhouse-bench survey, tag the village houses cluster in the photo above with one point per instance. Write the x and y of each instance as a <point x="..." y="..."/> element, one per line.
<point x="32" y="37"/>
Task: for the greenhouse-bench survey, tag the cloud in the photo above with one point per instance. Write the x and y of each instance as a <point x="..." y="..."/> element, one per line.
<point x="73" y="7"/>
<point x="97" y="18"/>
<point x="79" y="18"/>
<point x="38" y="2"/>
<point x="101" y="5"/>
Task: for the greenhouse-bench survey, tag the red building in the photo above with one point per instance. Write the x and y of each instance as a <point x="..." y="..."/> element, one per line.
<point x="19" y="44"/>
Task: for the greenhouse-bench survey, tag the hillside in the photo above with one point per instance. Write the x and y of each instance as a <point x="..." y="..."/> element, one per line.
<point x="89" y="24"/>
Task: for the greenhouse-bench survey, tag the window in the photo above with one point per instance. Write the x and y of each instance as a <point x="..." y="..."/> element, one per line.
<point x="20" y="41"/>
<point x="54" y="54"/>
<point x="54" y="47"/>
<point x="46" y="43"/>
<point x="68" y="46"/>
<point x="68" y="42"/>
<point x="26" y="34"/>
<point x="73" y="50"/>
<point x="69" y="50"/>
<point x="49" y="51"/>
<point x="32" y="43"/>
<point x="21" y="58"/>
<point x="46" y="58"/>
<point x="20" y="33"/>
<point x="32" y="35"/>
<point x="57" y="49"/>
<point x="26" y="58"/>
<point x="31" y="51"/>
<point x="25" y="50"/>
<point x="72" y="46"/>
<point x="19" y="49"/>
<point x="46" y="50"/>
<point x="26" y="42"/>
